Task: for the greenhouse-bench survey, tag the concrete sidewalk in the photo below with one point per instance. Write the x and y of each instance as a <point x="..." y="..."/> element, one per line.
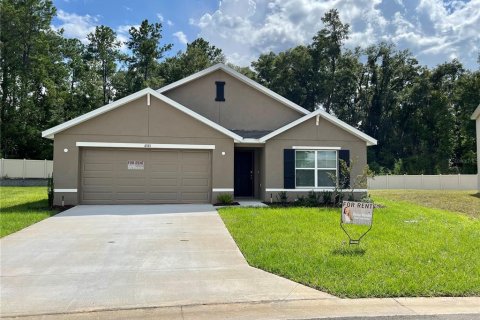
<point x="293" y="309"/>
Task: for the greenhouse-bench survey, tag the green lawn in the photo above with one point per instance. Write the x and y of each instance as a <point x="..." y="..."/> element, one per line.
<point x="411" y="250"/>
<point x="21" y="207"/>
<point x="467" y="202"/>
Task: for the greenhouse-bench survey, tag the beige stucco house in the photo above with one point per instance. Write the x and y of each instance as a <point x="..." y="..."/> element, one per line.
<point x="213" y="132"/>
<point x="476" y="117"/>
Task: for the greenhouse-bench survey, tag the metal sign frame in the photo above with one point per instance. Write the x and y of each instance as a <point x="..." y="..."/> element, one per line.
<point x="351" y="240"/>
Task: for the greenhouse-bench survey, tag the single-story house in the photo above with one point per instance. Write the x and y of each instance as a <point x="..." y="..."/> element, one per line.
<point x="476" y="117"/>
<point x="213" y="132"/>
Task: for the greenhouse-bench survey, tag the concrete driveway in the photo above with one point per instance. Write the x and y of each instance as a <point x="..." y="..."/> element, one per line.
<point x="131" y="256"/>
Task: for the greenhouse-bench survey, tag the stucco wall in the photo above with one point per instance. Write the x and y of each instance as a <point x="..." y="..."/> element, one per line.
<point x="135" y="122"/>
<point x="309" y="134"/>
<point x="244" y="108"/>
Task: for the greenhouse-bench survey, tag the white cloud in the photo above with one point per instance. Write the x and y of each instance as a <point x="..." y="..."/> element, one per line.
<point x="160" y="17"/>
<point x="76" y="26"/>
<point x="182" y="37"/>
<point x="435" y="30"/>
<point x="170" y="23"/>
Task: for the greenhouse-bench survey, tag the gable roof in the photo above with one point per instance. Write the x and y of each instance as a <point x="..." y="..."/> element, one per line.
<point x="476" y="113"/>
<point x="369" y="140"/>
<point x="240" y="77"/>
<point x="50" y="133"/>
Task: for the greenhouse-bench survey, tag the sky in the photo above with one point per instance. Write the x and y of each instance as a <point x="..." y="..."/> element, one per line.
<point x="435" y="31"/>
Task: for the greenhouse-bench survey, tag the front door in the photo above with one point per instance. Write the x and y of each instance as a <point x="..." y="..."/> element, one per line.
<point x="243" y="178"/>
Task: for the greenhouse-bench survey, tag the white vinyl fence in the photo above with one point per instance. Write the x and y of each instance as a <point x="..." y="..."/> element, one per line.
<point x="426" y="182"/>
<point x="25" y="169"/>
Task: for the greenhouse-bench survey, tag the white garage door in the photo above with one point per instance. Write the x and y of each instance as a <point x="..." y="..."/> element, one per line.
<point x="113" y="176"/>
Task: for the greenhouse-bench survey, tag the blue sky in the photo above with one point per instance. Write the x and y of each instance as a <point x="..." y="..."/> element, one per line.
<point x="434" y="30"/>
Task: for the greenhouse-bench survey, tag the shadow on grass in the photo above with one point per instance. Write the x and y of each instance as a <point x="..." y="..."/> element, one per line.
<point x="476" y="195"/>
<point x="27" y="206"/>
<point x="349" y="251"/>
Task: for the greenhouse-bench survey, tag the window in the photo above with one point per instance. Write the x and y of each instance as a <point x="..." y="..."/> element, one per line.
<point x="220" y="90"/>
<point x="315" y="168"/>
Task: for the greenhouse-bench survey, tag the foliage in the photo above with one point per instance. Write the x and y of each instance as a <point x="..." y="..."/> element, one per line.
<point x="282" y="197"/>
<point x="21" y="207"/>
<point x="327" y="197"/>
<point x="143" y="63"/>
<point x="50" y="191"/>
<point x="225" y="198"/>
<point x="408" y="246"/>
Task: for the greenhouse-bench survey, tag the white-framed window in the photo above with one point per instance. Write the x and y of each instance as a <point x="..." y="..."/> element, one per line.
<point x="315" y="168"/>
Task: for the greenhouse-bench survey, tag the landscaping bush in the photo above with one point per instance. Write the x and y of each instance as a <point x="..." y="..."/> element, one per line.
<point x="225" y="198"/>
<point x="282" y="198"/>
<point x="327" y="197"/>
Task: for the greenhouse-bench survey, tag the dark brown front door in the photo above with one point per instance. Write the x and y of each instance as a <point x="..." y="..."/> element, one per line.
<point x="243" y="178"/>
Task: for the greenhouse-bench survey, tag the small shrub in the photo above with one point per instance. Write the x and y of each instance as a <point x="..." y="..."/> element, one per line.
<point x="327" y="197"/>
<point x="367" y="199"/>
<point x="225" y="198"/>
<point x="301" y="201"/>
<point x="312" y="199"/>
<point x="282" y="197"/>
<point x="338" y="199"/>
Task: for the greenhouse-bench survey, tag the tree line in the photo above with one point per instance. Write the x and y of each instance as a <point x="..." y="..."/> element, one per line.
<point x="419" y="115"/>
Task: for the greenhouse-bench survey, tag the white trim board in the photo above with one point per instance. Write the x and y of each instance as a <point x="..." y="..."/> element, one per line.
<point x="240" y="77"/>
<point x="145" y="145"/>
<point x="65" y="190"/>
<point x="369" y="140"/>
<point x="222" y="190"/>
<point x="476" y="113"/>
<point x="315" y="148"/>
<point x="313" y="189"/>
<point x="50" y="133"/>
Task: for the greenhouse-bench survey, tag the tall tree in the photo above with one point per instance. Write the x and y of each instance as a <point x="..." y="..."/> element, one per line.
<point x="104" y="52"/>
<point x="144" y="43"/>
<point x="326" y="52"/>
<point x="199" y="55"/>
<point x="31" y="72"/>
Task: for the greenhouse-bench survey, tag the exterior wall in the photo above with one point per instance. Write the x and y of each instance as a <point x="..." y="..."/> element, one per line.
<point x="308" y="133"/>
<point x="425" y="182"/>
<point x="135" y="122"/>
<point x="244" y="108"/>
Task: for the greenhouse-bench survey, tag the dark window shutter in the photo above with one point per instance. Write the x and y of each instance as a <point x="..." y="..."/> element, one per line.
<point x="220" y="90"/>
<point x="345" y="156"/>
<point x="289" y="168"/>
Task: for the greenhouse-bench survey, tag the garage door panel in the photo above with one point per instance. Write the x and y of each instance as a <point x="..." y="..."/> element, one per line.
<point x="98" y="167"/>
<point x="168" y="182"/>
<point x="167" y="197"/>
<point x="132" y="182"/>
<point x="98" y="195"/>
<point x="194" y="197"/>
<point x="195" y="182"/>
<point x="168" y="176"/>
<point x="98" y="181"/>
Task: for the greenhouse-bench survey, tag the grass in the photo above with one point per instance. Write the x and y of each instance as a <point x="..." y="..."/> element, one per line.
<point x="412" y="250"/>
<point x="467" y="202"/>
<point x="21" y="207"/>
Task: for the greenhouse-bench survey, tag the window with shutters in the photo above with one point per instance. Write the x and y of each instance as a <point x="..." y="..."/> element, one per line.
<point x="315" y="168"/>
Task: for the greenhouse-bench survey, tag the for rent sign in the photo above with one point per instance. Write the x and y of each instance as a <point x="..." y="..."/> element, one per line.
<point x="357" y="213"/>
